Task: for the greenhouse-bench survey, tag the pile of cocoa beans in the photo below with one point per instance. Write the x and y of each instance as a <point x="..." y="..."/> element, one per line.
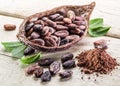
<point x="56" y="29"/>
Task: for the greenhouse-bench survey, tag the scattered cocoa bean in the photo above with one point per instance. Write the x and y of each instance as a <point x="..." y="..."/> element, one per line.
<point x="66" y="57"/>
<point x="46" y="76"/>
<point x="102" y="43"/>
<point x="9" y="27"/>
<point x="31" y="69"/>
<point x="66" y="74"/>
<point x="38" y="72"/>
<point x="45" y="62"/>
<point x="54" y="68"/>
<point x="68" y="64"/>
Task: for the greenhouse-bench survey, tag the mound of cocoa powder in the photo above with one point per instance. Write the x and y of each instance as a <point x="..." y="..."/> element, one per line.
<point x="96" y="60"/>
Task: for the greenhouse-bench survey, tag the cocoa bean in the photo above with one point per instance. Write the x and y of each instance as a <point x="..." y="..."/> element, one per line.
<point x="72" y="25"/>
<point x="45" y="31"/>
<point x="67" y="20"/>
<point x="59" y="22"/>
<point x="80" y="22"/>
<point x="61" y="27"/>
<point x="64" y="41"/>
<point x="46" y="76"/>
<point x="9" y="27"/>
<point x="50" y="42"/>
<point x="50" y="22"/>
<point x="33" y="19"/>
<point x="29" y="26"/>
<point x="31" y="69"/>
<point x="35" y="35"/>
<point x="45" y="62"/>
<point x="29" y="32"/>
<point x="60" y="18"/>
<point x="62" y="33"/>
<point x="66" y="74"/>
<point x="54" y="68"/>
<point x="40" y="22"/>
<point x="54" y="37"/>
<point x="54" y="16"/>
<point x="68" y="64"/>
<point x="102" y="43"/>
<point x="75" y="31"/>
<point x="82" y="27"/>
<point x="37" y="27"/>
<point x="66" y="57"/>
<point x="51" y="30"/>
<point x="38" y="41"/>
<point x="79" y="18"/>
<point x="72" y="37"/>
<point x="38" y="72"/>
<point x="71" y="15"/>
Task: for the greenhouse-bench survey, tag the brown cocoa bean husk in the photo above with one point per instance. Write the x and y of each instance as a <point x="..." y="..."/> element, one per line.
<point x="43" y="18"/>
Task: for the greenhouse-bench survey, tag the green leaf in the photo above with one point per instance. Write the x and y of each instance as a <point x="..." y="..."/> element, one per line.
<point x="98" y="31"/>
<point x="19" y="51"/>
<point x="9" y="46"/>
<point x="95" y="23"/>
<point x="30" y="59"/>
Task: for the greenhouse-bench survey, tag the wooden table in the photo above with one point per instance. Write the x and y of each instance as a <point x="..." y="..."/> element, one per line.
<point x="12" y="72"/>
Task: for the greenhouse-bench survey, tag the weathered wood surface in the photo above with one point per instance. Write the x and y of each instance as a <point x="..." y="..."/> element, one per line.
<point x="108" y="9"/>
<point x="12" y="72"/>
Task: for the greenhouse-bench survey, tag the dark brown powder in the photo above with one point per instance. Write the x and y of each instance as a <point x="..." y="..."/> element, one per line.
<point x="96" y="60"/>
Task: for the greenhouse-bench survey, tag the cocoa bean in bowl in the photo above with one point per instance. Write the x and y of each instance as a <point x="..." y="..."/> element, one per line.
<point x="56" y="29"/>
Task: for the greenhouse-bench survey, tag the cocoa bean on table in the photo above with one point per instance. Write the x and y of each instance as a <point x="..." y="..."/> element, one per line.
<point x="45" y="62"/>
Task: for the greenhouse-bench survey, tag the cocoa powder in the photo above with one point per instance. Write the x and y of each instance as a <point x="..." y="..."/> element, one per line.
<point x="96" y="60"/>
